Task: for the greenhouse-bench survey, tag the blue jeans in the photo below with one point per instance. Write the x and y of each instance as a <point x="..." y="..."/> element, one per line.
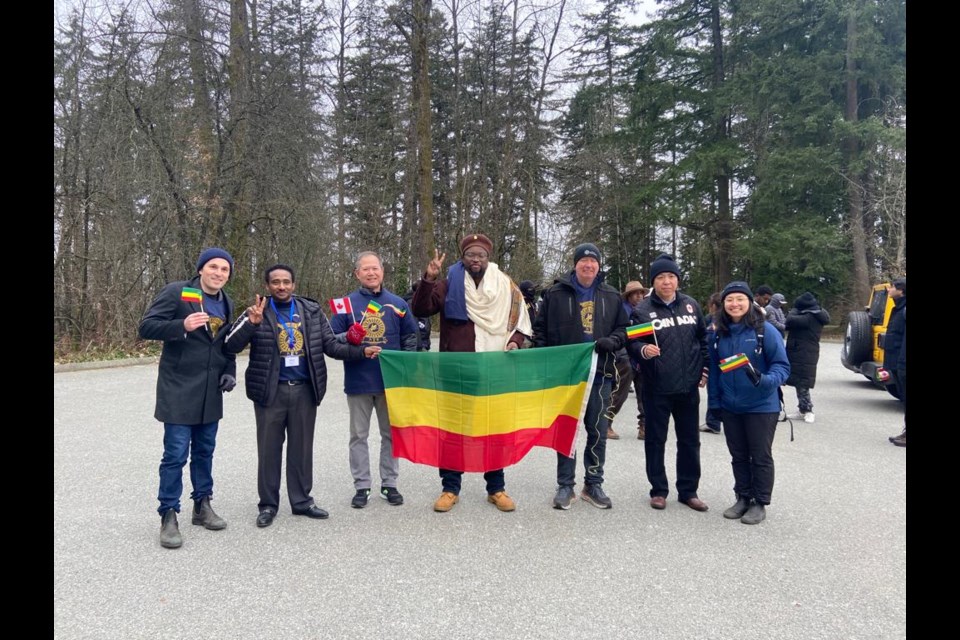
<point x="179" y="440"/>
<point x="596" y="424"/>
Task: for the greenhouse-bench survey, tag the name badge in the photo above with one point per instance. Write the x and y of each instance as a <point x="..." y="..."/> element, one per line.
<point x="291" y="361"/>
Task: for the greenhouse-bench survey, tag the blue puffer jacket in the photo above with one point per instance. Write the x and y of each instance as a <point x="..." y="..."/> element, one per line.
<point x="734" y="391"/>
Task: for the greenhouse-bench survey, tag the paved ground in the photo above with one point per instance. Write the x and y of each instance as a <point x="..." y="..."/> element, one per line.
<point x="829" y="562"/>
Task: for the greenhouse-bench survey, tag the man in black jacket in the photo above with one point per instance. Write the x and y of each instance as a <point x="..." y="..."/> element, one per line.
<point x="189" y="317"/>
<point x="674" y="364"/>
<point x="286" y="379"/>
<point x="580" y="307"/>
<point x="895" y="349"/>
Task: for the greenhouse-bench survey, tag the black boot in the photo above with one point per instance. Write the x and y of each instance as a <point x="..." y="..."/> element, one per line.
<point x="755" y="514"/>
<point x="736" y="511"/>
<point x="203" y="514"/>
<point x="170" y="530"/>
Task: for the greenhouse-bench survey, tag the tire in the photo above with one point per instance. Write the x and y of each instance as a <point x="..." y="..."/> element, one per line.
<point x="858" y="340"/>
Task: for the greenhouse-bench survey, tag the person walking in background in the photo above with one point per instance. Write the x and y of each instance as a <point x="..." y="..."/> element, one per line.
<point x="712" y="423"/>
<point x="627" y="370"/>
<point x="747" y="366"/>
<point x="286" y="379"/>
<point x="385" y="322"/>
<point x="895" y="349"/>
<point x="189" y="317"/>
<point x="804" y="325"/>
<point x="775" y="315"/>
<point x="423" y="324"/>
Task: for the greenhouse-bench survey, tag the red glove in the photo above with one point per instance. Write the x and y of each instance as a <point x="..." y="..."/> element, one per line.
<point x="355" y="334"/>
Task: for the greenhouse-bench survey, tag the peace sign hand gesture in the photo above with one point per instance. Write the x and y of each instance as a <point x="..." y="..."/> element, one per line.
<point x="433" y="268"/>
<point x="255" y="311"/>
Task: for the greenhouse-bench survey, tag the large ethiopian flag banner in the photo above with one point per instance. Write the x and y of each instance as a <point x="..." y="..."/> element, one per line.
<point x="485" y="411"/>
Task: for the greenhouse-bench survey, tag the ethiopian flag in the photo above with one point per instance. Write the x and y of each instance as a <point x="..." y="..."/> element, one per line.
<point x="373" y="307"/>
<point x="734" y="362"/>
<point x="188" y="294"/>
<point x="639" y="330"/>
<point x="485" y="411"/>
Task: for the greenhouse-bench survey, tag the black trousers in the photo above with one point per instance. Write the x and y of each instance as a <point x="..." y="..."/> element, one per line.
<point x="685" y="409"/>
<point x="293" y="413"/>
<point x="626" y="377"/>
<point x="750" y="441"/>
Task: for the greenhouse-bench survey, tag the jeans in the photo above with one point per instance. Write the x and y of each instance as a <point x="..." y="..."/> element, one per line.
<point x="179" y="440"/>
<point x="596" y="423"/>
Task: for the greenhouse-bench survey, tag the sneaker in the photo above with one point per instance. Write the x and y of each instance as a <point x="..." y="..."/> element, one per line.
<point x="705" y="429"/>
<point x="446" y="501"/>
<point x="808" y="417"/>
<point x="611" y="434"/>
<point x="900" y="440"/>
<point x="360" y="499"/>
<point x="391" y="495"/>
<point x="502" y="501"/>
<point x="593" y="493"/>
<point x="564" y="498"/>
<point x="796" y="415"/>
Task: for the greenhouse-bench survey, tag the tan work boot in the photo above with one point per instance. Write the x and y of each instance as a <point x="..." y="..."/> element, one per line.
<point x="641" y="432"/>
<point x="611" y="434"/>
<point x="502" y="500"/>
<point x="446" y="501"/>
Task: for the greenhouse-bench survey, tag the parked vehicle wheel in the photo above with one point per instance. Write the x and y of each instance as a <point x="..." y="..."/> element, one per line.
<point x="858" y="340"/>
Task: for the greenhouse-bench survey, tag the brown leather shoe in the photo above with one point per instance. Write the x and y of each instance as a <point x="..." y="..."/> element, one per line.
<point x="696" y="504"/>
<point x="658" y="502"/>
<point x="611" y="434"/>
<point x="446" y="501"/>
<point x="641" y="432"/>
<point x="502" y="501"/>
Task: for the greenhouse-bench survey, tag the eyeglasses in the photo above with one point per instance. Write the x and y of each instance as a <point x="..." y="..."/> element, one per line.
<point x="473" y="255"/>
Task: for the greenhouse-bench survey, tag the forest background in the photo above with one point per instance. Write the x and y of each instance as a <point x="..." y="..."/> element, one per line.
<point x="762" y="140"/>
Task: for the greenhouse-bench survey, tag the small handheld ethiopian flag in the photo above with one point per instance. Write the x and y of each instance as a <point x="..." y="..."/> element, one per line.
<point x="734" y="362"/>
<point x="191" y="295"/>
<point x="373" y="307"/>
<point x="640" y="330"/>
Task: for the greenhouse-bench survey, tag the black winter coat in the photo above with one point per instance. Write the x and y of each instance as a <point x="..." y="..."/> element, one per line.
<point x="896" y="331"/>
<point x="558" y="319"/>
<point x="804" y="325"/>
<point x="681" y="334"/>
<point x="188" y="381"/>
<point x="263" y="371"/>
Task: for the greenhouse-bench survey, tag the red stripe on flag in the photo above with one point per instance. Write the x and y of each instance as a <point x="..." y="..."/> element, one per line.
<point x="446" y="450"/>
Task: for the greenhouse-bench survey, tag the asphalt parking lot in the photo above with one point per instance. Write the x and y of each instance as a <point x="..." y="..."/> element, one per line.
<point x="829" y="562"/>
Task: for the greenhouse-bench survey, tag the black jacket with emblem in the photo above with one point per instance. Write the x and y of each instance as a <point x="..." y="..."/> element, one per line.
<point x="188" y="380"/>
<point x="558" y="319"/>
<point x="681" y="334"/>
<point x="263" y="371"/>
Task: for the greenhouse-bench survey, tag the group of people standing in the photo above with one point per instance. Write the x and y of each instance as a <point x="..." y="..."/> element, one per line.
<point x="668" y="357"/>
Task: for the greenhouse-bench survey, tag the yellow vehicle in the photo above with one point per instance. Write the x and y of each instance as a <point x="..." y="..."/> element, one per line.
<point x="863" y="340"/>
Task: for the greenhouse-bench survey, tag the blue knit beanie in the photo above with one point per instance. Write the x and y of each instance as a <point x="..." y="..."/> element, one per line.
<point x="214" y="252"/>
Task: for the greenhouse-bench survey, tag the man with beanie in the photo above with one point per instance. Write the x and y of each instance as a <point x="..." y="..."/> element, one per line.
<point x="286" y="379"/>
<point x="481" y="309"/>
<point x="194" y="372"/>
<point x="392" y="327"/>
<point x="580" y="307"/>
<point x="804" y="325"/>
<point x="895" y="349"/>
<point x="674" y="365"/>
<point x="775" y="314"/>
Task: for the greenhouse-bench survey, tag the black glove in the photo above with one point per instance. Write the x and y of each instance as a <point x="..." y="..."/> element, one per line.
<point x="606" y="345"/>
<point x="227" y="383"/>
<point x="753" y="375"/>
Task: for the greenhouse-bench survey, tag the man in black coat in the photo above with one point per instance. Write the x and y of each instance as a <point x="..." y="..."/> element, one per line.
<point x="895" y="348"/>
<point x="674" y="364"/>
<point x="190" y="317"/>
<point x="804" y="325"/>
<point x="286" y="379"/>
<point x="580" y="307"/>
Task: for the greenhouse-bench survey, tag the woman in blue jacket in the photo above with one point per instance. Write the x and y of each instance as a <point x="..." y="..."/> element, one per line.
<point x="748" y="364"/>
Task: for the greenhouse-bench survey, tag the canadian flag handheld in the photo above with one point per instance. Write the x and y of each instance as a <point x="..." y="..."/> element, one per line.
<point x="341" y="305"/>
